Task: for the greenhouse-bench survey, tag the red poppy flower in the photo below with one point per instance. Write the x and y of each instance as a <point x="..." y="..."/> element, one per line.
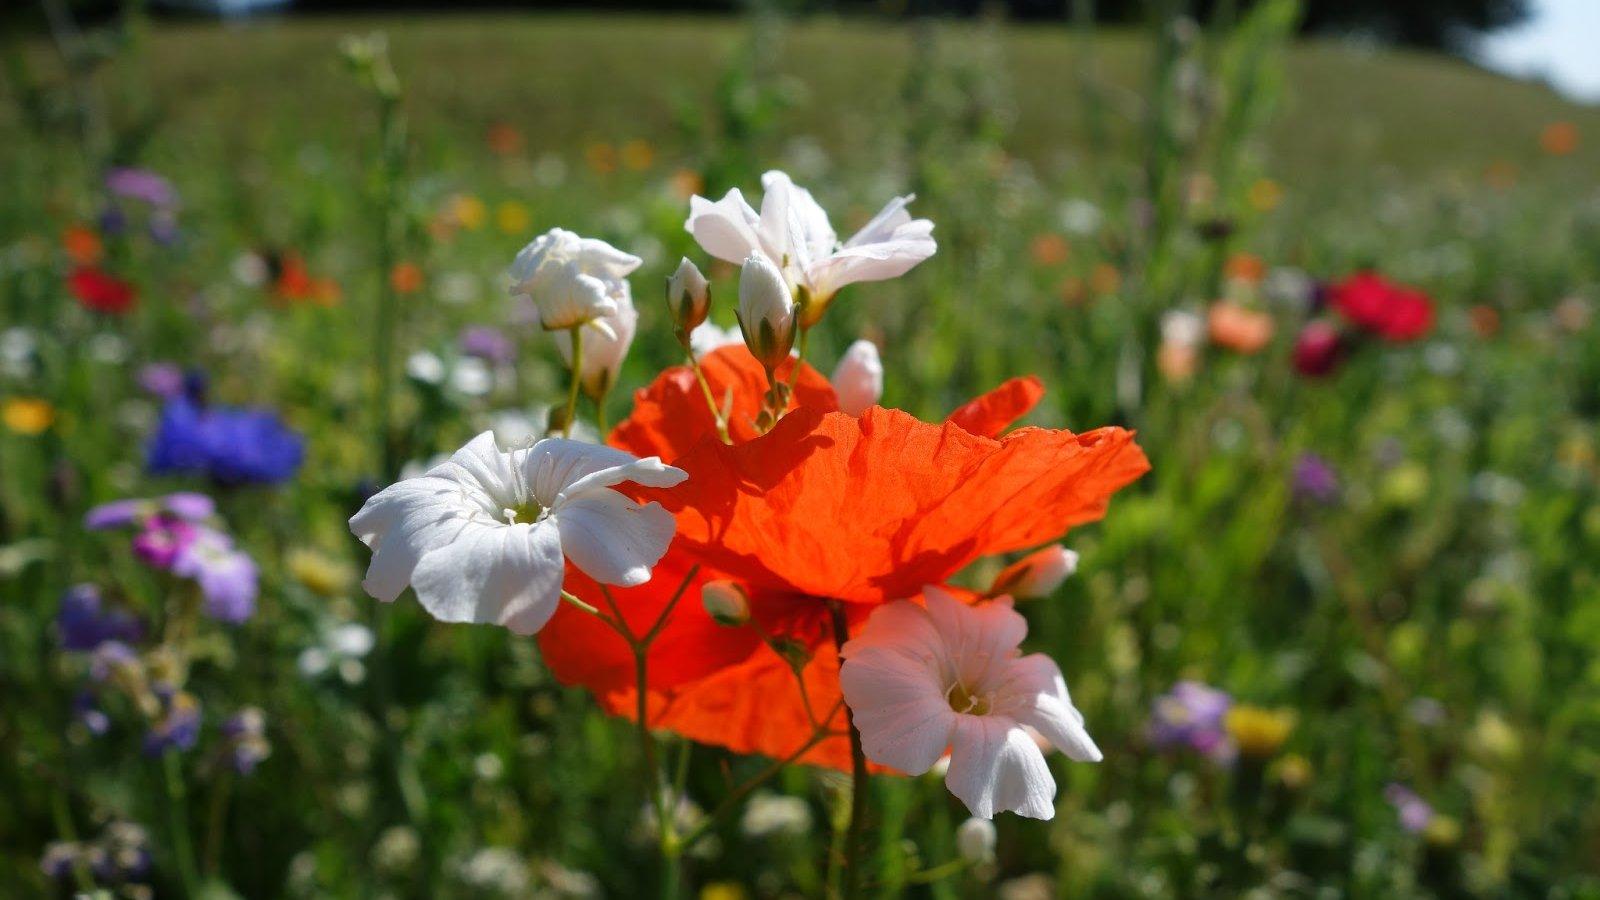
<point x="1318" y="350"/>
<point x="101" y="292"/>
<point x="1373" y="303"/>
<point x="823" y="507"/>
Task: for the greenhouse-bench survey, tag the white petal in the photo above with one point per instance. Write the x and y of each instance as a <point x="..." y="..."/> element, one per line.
<point x="1038" y="696"/>
<point x="558" y="469"/>
<point x="987" y="635"/>
<point x="600" y="259"/>
<point x="883" y="225"/>
<point x="792" y="224"/>
<point x="996" y="767"/>
<point x="405" y="521"/>
<point x="899" y="706"/>
<point x="499" y="574"/>
<point x="725" y="229"/>
<point x="569" y="298"/>
<point x="613" y="539"/>
<point x="871" y="262"/>
<point x="858" y="379"/>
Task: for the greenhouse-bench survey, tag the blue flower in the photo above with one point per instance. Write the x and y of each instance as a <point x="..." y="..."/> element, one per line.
<point x="178" y="728"/>
<point x="231" y="445"/>
<point x="84" y="623"/>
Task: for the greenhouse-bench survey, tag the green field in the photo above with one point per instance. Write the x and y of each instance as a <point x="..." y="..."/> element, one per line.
<point x="1429" y="622"/>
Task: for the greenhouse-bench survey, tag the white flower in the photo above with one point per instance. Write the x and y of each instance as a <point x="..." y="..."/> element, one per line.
<point x="1182" y="328"/>
<point x="794" y="231"/>
<point x="1038" y="574"/>
<point x="975" y="840"/>
<point x="471" y="376"/>
<point x="726" y="603"/>
<point x="571" y="279"/>
<point x="708" y="337"/>
<point x="605" y="342"/>
<point x="919" y="680"/>
<point x="858" y="379"/>
<point x="770" y="814"/>
<point x="425" y="367"/>
<point x="766" y="311"/>
<point x="688" y="296"/>
<point x="482" y="536"/>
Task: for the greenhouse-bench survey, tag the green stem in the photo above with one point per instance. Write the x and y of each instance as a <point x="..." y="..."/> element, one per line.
<point x="705" y="388"/>
<point x="217" y="822"/>
<point x="732" y="800"/>
<point x="858" y="776"/>
<point x="80" y="867"/>
<point x="577" y="380"/>
<point x="178" y="814"/>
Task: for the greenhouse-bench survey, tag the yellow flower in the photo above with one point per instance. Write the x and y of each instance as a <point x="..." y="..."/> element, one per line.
<point x="468" y="211"/>
<point x="1442" y="831"/>
<point x="28" y="415"/>
<point x="638" y="155"/>
<point x="1265" y="195"/>
<point x="1293" y="771"/>
<point x="512" y="217"/>
<point x="1257" y="731"/>
<point x="319" y="572"/>
<point x="722" y="890"/>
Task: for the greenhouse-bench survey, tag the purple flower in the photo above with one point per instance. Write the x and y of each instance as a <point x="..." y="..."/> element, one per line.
<point x="178" y="728"/>
<point x="121" y="513"/>
<point x="162" y="539"/>
<point x="228" y="578"/>
<point x="142" y="185"/>
<point x="162" y="379"/>
<point x="1314" y="479"/>
<point x="86" y="710"/>
<point x="231" y="445"/>
<point x="110" y="658"/>
<point x="59" y="859"/>
<point x="487" y="344"/>
<point x="246" y="735"/>
<point x="1415" y="813"/>
<point x="84" y="623"/>
<point x="1191" y="716"/>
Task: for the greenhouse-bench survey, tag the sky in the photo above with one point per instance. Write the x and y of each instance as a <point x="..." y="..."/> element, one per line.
<point x="1559" y="42"/>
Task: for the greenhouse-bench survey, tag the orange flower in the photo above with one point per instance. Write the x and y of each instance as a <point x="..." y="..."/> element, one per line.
<point x="1559" y="139"/>
<point x="825" y="506"/>
<point x="406" y="278"/>
<point x="1049" y="249"/>
<point x="1500" y="175"/>
<point x="1245" y="267"/>
<point x="82" y="245"/>
<point x="601" y="157"/>
<point x="1265" y="195"/>
<point x="296" y="284"/>
<point x="1104" y="278"/>
<point x="638" y="155"/>
<point x="1485" y="320"/>
<point x="503" y="139"/>
<point x="1238" y="328"/>
<point x="686" y="183"/>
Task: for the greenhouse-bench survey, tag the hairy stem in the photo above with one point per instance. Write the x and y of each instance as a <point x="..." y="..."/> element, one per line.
<point x="854" y="849"/>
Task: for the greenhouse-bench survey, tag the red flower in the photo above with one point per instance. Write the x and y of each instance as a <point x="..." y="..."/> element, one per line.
<point x="1318" y="350"/>
<point x="101" y="292"/>
<point x="824" y="507"/>
<point x="1373" y="303"/>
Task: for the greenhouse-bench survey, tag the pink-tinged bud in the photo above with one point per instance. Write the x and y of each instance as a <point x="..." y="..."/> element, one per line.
<point x="858" y="379"/>
<point x="1318" y="350"/>
<point x="1036" y="575"/>
<point x="726" y="603"/>
<point x="688" y="297"/>
<point x="766" y="311"/>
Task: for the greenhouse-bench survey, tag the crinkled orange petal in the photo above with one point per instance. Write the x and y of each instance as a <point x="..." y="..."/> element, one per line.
<point x="581" y="649"/>
<point x="670" y="415"/>
<point x="872" y="509"/>
<point x="992" y="413"/>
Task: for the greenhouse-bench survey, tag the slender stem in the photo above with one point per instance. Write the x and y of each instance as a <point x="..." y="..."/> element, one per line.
<point x="799" y="360"/>
<point x="577" y="379"/>
<point x="858" y="776"/>
<point x="711" y="401"/>
<point x="666" y="611"/>
<point x="182" y="843"/>
<point x="217" y="822"/>
<point x="937" y="873"/>
<point x="573" y="599"/>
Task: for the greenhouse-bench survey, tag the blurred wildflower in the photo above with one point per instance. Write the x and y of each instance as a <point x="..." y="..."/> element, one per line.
<point x="1239" y="328"/>
<point x="498" y="869"/>
<point x="1049" y="249"/>
<point x="1318" y="349"/>
<point x="793" y="232"/>
<point x="406" y="277"/>
<point x="1257" y="732"/>
<point x="723" y="890"/>
<point x="1414" y="812"/>
<point x="1559" y="139"/>
<point x="638" y="155"/>
<point x="1179" y="354"/>
<point x="19" y="348"/>
<point x="707" y="336"/>
<point x="488" y="344"/>
<point x="512" y="217"/>
<point x="858" y="378"/>
<point x="161" y="379"/>
<point x="1036" y="575"/>
<point x="1265" y="195"/>
<point x="686" y="183"/>
<point x="1037" y="886"/>
<point x="1405" y="484"/>
<point x="775" y="815"/>
<point x="322" y="574"/>
<point x="100" y="292"/>
<point x="245" y="733"/>
<point x="1293" y="772"/>
<point x="1191" y="716"/>
<point x="1443" y="832"/>
<point x="503" y="139"/>
<point x="177" y="727"/>
<point x="397" y="849"/>
<point x="1079" y="217"/>
<point x="228" y="578"/>
<point x="296" y="284"/>
<point x="231" y="445"/>
<point x="471" y="377"/>
<point x="1245" y="268"/>
<point x="1500" y="175"/>
<point x="1104" y="279"/>
<point x="956" y="669"/>
<point x="83" y="622"/>
<point x="975" y="841"/>
<point x="1291" y="288"/>
<point x="161" y="538"/>
<point x="438" y="533"/>
<point x="467" y="211"/>
<point x="1485" y="320"/>
<point x="1374" y="304"/>
<point x="601" y="157"/>
<point x="341" y="650"/>
<point x="27" y="416"/>
<point x="82" y="245"/>
<point x="1314" y="479"/>
<point x="142" y="185"/>
<point x="1573" y="314"/>
<point x="122" y="513"/>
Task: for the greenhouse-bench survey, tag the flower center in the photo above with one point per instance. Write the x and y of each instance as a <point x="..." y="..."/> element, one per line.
<point x="964" y="701"/>
<point x="529" y="511"/>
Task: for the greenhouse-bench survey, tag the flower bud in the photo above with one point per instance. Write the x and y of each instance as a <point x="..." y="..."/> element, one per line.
<point x="766" y="311"/>
<point x="975" y="840"/>
<point x="688" y="297"/>
<point x="858" y="379"/>
<point x="1036" y="575"/>
<point x="726" y="602"/>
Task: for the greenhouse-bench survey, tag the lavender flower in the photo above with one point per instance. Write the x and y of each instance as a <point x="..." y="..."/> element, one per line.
<point x="1314" y="479"/>
<point x="179" y="725"/>
<point x="487" y="344"/>
<point x="161" y="379"/>
<point x="228" y="578"/>
<point x="59" y="859"/>
<point x="86" y="711"/>
<point x="84" y="623"/>
<point x="1192" y="716"/>
<point x="245" y="732"/>
<point x="122" y="513"/>
<point x="142" y="185"/>
<point x="1414" y="812"/>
